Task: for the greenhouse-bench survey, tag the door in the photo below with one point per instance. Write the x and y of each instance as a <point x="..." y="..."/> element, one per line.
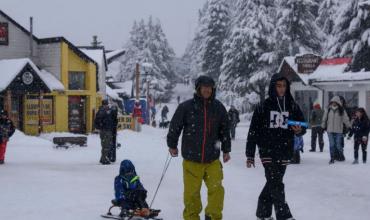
<point x="16" y="113"/>
<point x="77" y="114"/>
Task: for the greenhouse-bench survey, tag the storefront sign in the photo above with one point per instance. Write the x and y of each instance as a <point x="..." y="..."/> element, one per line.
<point x="27" y="78"/>
<point x="125" y="122"/>
<point x="4" y="33"/>
<point x="307" y="63"/>
<point x="32" y="111"/>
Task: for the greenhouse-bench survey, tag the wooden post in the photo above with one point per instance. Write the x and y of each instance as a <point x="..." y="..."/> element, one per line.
<point x="137" y="81"/>
<point x="8" y="102"/>
<point x="147" y="99"/>
<point x="40" y="113"/>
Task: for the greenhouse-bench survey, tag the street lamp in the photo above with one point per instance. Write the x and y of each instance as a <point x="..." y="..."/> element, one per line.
<point x="147" y="67"/>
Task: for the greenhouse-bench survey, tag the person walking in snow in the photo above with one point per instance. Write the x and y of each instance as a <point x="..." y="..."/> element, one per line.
<point x="298" y="149"/>
<point x="234" y="120"/>
<point x="106" y="123"/>
<point x="204" y="124"/>
<point x="137" y="114"/>
<point x="164" y="113"/>
<point x="335" y="118"/>
<point x="7" y="130"/>
<point x="317" y="131"/>
<point x="360" y="129"/>
<point x="269" y="130"/>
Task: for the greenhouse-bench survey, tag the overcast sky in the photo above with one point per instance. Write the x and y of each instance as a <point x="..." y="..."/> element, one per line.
<point x="111" y="20"/>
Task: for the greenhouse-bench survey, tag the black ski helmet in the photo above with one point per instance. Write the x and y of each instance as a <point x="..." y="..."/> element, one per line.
<point x="204" y="81"/>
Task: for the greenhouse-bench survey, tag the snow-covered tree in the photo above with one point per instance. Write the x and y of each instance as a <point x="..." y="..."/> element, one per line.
<point x="250" y="53"/>
<point x="148" y="44"/>
<point x="326" y="15"/>
<point x="351" y="32"/>
<point x="217" y="17"/>
<point x="193" y="54"/>
<point x="297" y="29"/>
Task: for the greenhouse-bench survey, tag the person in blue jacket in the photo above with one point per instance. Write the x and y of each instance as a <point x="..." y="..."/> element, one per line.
<point x="130" y="193"/>
<point x="298" y="148"/>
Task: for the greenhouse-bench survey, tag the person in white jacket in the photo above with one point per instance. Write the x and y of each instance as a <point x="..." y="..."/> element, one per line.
<point x="334" y="120"/>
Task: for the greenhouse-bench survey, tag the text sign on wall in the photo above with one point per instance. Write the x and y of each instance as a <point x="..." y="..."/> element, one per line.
<point x="125" y="122"/>
<point x="307" y="63"/>
<point x="32" y="111"/>
<point x="4" y="33"/>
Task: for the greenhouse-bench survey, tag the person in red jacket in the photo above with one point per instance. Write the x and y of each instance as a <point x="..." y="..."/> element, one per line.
<point x="7" y="129"/>
<point x="137" y="114"/>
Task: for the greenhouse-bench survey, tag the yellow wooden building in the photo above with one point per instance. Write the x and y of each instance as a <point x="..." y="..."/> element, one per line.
<point x="51" y="86"/>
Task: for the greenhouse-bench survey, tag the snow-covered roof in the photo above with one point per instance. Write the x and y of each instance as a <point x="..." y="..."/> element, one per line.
<point x="123" y="87"/>
<point x="112" y="93"/>
<point x="12" y="67"/>
<point x="291" y="62"/>
<point x="334" y="70"/>
<point x="98" y="55"/>
<point x="113" y="54"/>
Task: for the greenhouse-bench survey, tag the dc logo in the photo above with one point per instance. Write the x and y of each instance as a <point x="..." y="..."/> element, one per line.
<point x="279" y="120"/>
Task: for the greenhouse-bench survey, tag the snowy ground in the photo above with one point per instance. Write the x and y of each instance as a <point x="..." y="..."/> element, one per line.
<point x="41" y="182"/>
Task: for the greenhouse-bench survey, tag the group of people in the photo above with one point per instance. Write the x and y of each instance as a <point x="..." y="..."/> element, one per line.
<point x="338" y="123"/>
<point x="206" y="131"/>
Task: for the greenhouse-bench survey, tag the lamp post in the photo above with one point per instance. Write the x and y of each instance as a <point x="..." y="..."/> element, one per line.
<point x="147" y="67"/>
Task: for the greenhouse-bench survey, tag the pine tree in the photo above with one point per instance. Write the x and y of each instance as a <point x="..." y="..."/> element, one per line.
<point x="148" y="44"/>
<point x="216" y="31"/>
<point x="297" y="29"/>
<point x="351" y="32"/>
<point x="326" y="15"/>
<point x="250" y="56"/>
<point x="194" y="52"/>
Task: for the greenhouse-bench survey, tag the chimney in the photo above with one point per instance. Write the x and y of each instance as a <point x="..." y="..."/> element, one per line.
<point x="31" y="37"/>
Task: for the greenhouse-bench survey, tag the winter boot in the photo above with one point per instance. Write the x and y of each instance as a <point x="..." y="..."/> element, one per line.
<point x="207" y="218"/>
<point x="269" y="218"/>
<point x="331" y="161"/>
<point x="312" y="150"/>
<point x="355" y="161"/>
<point x="1" y="161"/>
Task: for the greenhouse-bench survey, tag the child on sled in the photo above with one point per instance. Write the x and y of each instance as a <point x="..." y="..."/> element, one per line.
<point x="130" y="193"/>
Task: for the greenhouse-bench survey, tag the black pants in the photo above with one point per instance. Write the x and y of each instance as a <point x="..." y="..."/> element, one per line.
<point x="363" y="147"/>
<point x="232" y="130"/>
<point x="296" y="157"/>
<point x="317" y="132"/>
<point x="134" y="199"/>
<point x="273" y="193"/>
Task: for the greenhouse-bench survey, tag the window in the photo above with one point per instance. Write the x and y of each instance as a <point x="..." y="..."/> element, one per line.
<point x="76" y="81"/>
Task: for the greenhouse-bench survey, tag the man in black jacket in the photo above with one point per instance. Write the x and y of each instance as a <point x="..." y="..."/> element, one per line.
<point x="234" y="120"/>
<point x="106" y="123"/>
<point x="269" y="130"/>
<point x="204" y="124"/>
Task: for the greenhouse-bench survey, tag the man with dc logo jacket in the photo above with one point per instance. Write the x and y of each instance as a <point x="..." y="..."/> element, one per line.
<point x="269" y="130"/>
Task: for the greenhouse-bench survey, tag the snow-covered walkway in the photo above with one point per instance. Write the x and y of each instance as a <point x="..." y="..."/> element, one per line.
<point x="40" y="182"/>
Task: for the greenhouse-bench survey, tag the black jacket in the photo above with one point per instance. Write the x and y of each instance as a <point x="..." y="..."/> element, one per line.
<point x="360" y="128"/>
<point x="269" y="129"/>
<point x="7" y="129"/>
<point x="106" y="119"/>
<point x="234" y="117"/>
<point x="204" y="124"/>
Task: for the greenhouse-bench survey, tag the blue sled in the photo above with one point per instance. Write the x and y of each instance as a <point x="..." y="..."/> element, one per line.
<point x="298" y="123"/>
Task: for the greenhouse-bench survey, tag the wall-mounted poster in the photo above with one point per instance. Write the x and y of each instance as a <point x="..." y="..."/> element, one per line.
<point x="4" y="33"/>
